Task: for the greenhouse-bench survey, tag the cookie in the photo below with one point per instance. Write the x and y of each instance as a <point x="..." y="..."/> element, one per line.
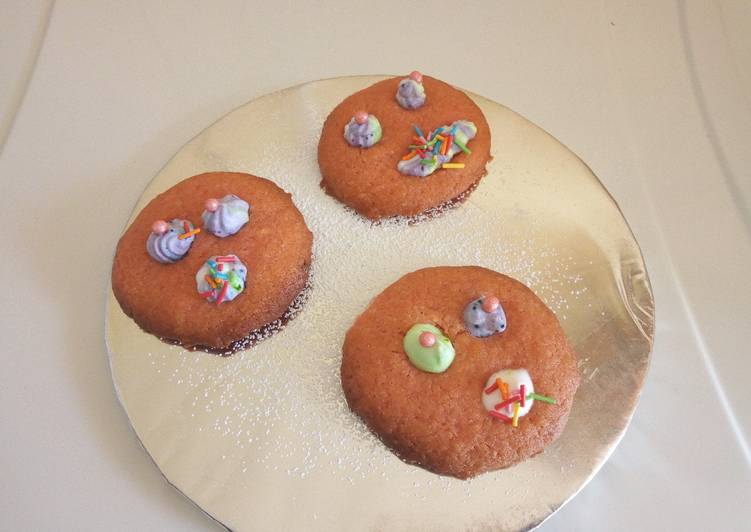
<point x="365" y="174"/>
<point x="255" y="232"/>
<point x="430" y="390"/>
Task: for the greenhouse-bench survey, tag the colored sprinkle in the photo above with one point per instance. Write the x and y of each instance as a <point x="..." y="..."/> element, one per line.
<point x="223" y="293"/>
<point x="500" y="416"/>
<point x="502" y="386"/>
<point x="189" y="234"/>
<point x="221" y="276"/>
<point x="453" y="131"/>
<point x="542" y="398"/>
<point x="515" y="421"/>
<point x="421" y="154"/>
<point x="409" y="155"/>
<point x="427" y="161"/>
<point x="207" y="293"/>
<point x="437" y="147"/>
<point x="226" y="258"/>
<point x="419" y="133"/>
<point x="523" y="394"/>
<point x="453" y="165"/>
<point x="462" y="146"/>
<point x="211" y="263"/>
<point x="186" y="227"/>
<point x="209" y="280"/>
<point x="219" y="267"/>
<point x="493" y="387"/>
<point x="440" y="137"/>
<point x="513" y="399"/>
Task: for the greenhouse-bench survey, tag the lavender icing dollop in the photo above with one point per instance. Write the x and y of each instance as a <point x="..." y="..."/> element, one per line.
<point x="168" y="247"/>
<point x="229" y="217"/>
<point x="481" y="323"/>
<point x="363" y="135"/>
<point x="410" y="94"/>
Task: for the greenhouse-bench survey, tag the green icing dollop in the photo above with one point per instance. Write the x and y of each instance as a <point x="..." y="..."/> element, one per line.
<point x="434" y="359"/>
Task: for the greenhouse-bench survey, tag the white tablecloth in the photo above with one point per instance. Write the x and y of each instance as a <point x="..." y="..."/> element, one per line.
<point x="96" y="96"/>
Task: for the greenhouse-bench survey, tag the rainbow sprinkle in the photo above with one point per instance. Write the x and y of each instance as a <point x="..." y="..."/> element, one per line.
<point x="437" y="143"/>
<point x="189" y="233"/>
<point x="493" y="387"/>
<point x="511" y="400"/>
<point x="500" y="416"/>
<point x="223" y="293"/>
<point x="514" y="402"/>
<point x="543" y="398"/>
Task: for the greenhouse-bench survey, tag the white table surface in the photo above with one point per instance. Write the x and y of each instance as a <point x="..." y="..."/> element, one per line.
<point x="96" y="96"/>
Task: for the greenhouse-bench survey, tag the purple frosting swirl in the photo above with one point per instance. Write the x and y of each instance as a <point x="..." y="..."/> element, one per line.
<point x="168" y="247"/>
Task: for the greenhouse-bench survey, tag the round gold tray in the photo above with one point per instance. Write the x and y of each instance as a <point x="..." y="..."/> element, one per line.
<point x="263" y="440"/>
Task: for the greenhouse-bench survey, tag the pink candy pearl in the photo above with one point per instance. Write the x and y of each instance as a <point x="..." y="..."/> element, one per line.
<point x="427" y="339"/>
<point x="159" y="227"/>
<point x="415" y="75"/>
<point x="490" y="304"/>
<point x="212" y="204"/>
<point x="361" y="117"/>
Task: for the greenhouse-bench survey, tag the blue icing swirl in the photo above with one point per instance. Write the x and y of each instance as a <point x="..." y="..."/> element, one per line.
<point x="363" y="135"/>
<point x="462" y="131"/>
<point x="228" y="269"/>
<point x="229" y="217"/>
<point x="168" y="247"/>
<point x="483" y="324"/>
<point x="410" y="94"/>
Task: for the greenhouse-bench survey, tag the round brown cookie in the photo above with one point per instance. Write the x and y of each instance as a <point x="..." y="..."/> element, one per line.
<point x="368" y="180"/>
<point x="437" y="420"/>
<point x="275" y="245"/>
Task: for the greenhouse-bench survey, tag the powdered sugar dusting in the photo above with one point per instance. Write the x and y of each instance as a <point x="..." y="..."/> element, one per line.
<point x="282" y="399"/>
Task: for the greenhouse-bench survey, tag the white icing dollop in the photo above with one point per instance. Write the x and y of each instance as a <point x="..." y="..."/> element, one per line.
<point x="513" y="378"/>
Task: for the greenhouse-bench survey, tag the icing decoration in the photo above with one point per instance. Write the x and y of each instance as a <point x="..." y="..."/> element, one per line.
<point x="159" y="227"/>
<point x="430" y="153"/>
<point x="493" y="398"/>
<point x="226" y="216"/>
<point x="484" y="317"/>
<point x="169" y="242"/>
<point x="509" y="395"/>
<point x="363" y="130"/>
<point x="428" y="349"/>
<point x="411" y="93"/>
<point x="212" y="204"/>
<point x="427" y="339"/>
<point x="221" y="278"/>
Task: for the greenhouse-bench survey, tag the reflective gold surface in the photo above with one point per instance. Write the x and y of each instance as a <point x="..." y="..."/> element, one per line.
<point x="264" y="440"/>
